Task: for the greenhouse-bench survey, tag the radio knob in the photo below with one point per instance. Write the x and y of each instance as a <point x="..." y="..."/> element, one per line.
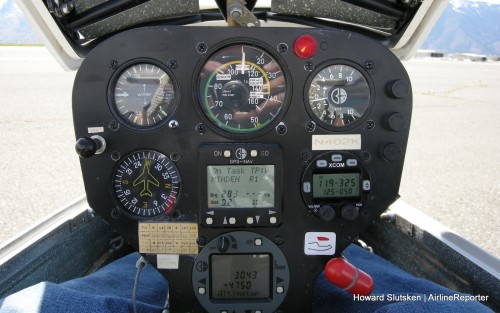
<point x="326" y="213"/>
<point x="350" y="212"/>
<point x="223" y="244"/>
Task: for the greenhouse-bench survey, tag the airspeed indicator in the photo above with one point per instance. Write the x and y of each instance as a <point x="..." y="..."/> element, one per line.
<point x="242" y="89"/>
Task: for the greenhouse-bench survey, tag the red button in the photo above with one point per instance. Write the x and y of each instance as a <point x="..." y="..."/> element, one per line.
<point x="305" y="46"/>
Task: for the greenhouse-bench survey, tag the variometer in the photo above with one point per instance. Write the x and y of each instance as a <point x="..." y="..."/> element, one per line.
<point x="338" y="96"/>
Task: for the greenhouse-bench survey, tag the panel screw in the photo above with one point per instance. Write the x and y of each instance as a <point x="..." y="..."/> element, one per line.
<point x="201" y="241"/>
<point x="306" y="156"/>
<point x="309" y="66"/>
<point x="115" y="213"/>
<point x="281" y="129"/>
<point x="200" y="128"/>
<point x="175" y="156"/>
<point x="113" y="125"/>
<point x="282" y="47"/>
<point x="201" y="47"/>
<point x="115" y="155"/>
<point x="172" y="63"/>
<point x="310" y="126"/>
<point x="370" y="124"/>
<point x="365" y="155"/>
<point x="279" y="240"/>
<point x="173" y="124"/>
<point x="175" y="214"/>
<point x="113" y="64"/>
<point x="369" y="65"/>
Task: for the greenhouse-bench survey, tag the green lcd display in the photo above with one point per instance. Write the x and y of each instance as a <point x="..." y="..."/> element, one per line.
<point x="240" y="276"/>
<point x="341" y="185"/>
<point x="240" y="186"/>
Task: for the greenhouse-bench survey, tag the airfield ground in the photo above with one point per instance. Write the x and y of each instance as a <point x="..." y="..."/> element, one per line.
<point x="452" y="167"/>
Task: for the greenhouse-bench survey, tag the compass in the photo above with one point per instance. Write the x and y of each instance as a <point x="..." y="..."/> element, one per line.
<point x="146" y="184"/>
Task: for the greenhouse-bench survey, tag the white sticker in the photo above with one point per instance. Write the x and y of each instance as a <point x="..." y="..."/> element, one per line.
<point x="95" y="130"/>
<point x="336" y="142"/>
<point x="167" y="261"/>
<point x="319" y="243"/>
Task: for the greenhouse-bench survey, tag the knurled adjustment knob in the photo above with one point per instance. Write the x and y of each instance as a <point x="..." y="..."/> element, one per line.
<point x="398" y="89"/>
<point x="88" y="146"/>
<point x="391" y="152"/>
<point x="326" y="213"/>
<point x="350" y="212"/>
<point x="223" y="243"/>
<point x="396" y="121"/>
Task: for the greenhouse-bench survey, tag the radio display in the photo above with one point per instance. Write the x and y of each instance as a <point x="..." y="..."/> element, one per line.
<point x="240" y="276"/>
<point x="240" y="186"/>
<point x="341" y="185"/>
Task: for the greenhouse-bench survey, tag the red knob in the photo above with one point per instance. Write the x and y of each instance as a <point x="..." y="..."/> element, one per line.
<point x="344" y="275"/>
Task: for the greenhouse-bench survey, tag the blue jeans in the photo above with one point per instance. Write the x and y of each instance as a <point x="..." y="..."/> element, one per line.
<point x="110" y="290"/>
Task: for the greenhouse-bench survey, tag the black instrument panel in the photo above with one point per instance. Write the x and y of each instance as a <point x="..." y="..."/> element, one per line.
<point x="229" y="131"/>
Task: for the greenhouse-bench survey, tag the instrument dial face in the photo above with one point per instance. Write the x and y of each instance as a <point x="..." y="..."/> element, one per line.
<point x="146" y="184"/>
<point x="338" y="96"/>
<point x="242" y="89"/>
<point x="144" y="95"/>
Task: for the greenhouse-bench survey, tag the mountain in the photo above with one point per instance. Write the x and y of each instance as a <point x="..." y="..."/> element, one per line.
<point x="469" y="26"/>
<point x="14" y="27"/>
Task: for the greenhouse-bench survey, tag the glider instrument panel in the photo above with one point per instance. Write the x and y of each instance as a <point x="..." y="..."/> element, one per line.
<point x="241" y="162"/>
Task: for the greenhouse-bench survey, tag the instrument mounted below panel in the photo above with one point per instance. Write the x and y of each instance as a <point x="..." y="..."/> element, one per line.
<point x="239" y="161"/>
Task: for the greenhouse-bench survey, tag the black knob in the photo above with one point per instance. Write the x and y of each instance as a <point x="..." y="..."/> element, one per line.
<point x="223" y="243"/>
<point x="396" y="121"/>
<point x="398" y="89"/>
<point x="391" y="152"/>
<point x="86" y="147"/>
<point x="350" y="212"/>
<point x="326" y="213"/>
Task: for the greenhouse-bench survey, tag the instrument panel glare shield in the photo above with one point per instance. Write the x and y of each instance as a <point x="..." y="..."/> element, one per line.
<point x="242" y="89"/>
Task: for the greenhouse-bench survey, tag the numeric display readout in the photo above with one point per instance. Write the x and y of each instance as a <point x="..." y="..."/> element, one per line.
<point x="240" y="276"/>
<point x="341" y="185"/>
<point x="240" y="186"/>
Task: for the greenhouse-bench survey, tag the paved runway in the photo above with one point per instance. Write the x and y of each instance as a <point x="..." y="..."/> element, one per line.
<point x="452" y="169"/>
